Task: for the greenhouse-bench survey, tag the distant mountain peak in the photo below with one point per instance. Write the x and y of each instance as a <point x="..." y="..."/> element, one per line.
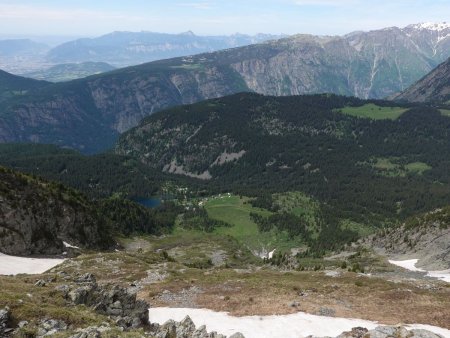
<point x="188" y="33"/>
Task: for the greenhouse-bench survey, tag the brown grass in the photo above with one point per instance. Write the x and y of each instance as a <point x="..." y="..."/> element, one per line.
<point x="271" y="293"/>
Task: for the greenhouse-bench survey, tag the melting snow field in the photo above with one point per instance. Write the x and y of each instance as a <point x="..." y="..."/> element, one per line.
<point x="410" y="265"/>
<point x="286" y="326"/>
<point x="12" y="265"/>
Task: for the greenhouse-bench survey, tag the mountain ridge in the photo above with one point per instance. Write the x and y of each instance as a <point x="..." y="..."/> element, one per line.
<point x="89" y="114"/>
<point x="125" y="48"/>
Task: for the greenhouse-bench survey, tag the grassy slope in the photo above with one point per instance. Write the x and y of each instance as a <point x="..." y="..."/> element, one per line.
<point x="235" y="211"/>
<point x="390" y="167"/>
<point x="372" y="111"/>
<point x="445" y="112"/>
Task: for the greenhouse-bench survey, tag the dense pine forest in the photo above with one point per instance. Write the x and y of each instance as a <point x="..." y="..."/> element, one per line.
<point x="364" y="169"/>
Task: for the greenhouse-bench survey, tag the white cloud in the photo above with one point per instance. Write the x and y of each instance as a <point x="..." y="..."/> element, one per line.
<point x="8" y="11"/>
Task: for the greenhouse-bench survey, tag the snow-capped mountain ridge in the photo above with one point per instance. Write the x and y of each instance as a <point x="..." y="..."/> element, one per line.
<point x="433" y="26"/>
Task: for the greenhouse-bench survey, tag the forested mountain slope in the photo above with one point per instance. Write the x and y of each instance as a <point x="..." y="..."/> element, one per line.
<point x="13" y="85"/>
<point x="433" y="88"/>
<point x="36" y="217"/>
<point x="381" y="162"/>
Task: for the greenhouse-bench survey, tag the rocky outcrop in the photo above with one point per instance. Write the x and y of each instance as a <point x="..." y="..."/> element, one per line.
<point x="120" y="305"/>
<point x="49" y="327"/>
<point x="37" y="217"/>
<point x="117" y="302"/>
<point x="185" y="329"/>
<point x="93" y="331"/>
<point x="434" y="87"/>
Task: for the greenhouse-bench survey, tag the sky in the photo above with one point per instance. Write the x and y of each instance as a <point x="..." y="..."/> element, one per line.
<point x="213" y="17"/>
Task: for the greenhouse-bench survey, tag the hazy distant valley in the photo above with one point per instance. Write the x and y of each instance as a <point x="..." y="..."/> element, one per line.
<point x="119" y="49"/>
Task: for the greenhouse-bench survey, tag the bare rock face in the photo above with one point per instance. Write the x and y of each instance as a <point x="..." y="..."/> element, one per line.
<point x="425" y="237"/>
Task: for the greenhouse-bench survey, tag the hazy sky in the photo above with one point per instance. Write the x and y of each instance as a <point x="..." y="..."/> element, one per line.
<point x="213" y="17"/>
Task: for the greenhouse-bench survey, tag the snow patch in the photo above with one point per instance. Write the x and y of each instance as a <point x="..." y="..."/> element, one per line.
<point x="410" y="264"/>
<point x="442" y="275"/>
<point x="294" y="325"/>
<point x="67" y="245"/>
<point x="264" y="254"/>
<point x="271" y="254"/>
<point x="12" y="265"/>
<point x="432" y="26"/>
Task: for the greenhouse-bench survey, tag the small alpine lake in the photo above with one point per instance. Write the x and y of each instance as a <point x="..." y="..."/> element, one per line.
<point x="152" y="202"/>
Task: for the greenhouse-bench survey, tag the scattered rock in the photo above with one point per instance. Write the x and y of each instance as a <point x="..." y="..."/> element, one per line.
<point x="87" y="278"/>
<point x="5" y="317"/>
<point x="356" y="332"/>
<point x="92" y="331"/>
<point x="327" y="312"/>
<point x="332" y="273"/>
<point x="386" y="332"/>
<point x="63" y="288"/>
<point x="423" y="334"/>
<point x="237" y="335"/>
<point x="185" y="329"/>
<point x="22" y="324"/>
<point x="294" y="304"/>
<point x="49" y="327"/>
<point x="184" y="298"/>
<point x="399" y="332"/>
<point x="81" y="295"/>
<point x="40" y="283"/>
<point x="218" y="258"/>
